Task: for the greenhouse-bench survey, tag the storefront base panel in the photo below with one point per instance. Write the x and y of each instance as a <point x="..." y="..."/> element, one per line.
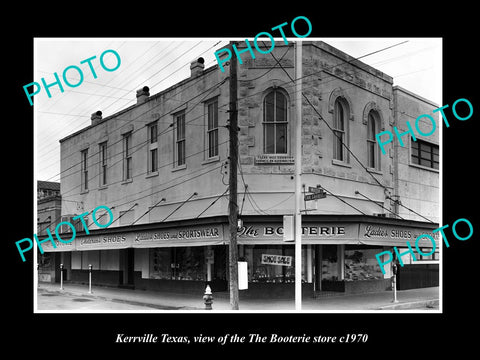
<point x="274" y="290"/>
<point x="165" y="285"/>
<point x="417" y="276"/>
<point x="99" y="277"/>
<point x="46" y="276"/>
<point x="356" y="287"/>
<point x="367" y="286"/>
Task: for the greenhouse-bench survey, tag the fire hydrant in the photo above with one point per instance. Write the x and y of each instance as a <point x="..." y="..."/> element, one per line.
<point x="208" y="298"/>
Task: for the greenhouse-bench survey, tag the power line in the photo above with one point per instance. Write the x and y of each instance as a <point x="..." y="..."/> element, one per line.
<point x="169" y="128"/>
<point x="383" y="207"/>
<point x="212" y="203"/>
<point x="157" y="71"/>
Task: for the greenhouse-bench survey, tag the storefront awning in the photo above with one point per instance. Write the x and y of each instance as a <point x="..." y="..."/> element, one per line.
<point x="170" y="237"/>
<point x="316" y="230"/>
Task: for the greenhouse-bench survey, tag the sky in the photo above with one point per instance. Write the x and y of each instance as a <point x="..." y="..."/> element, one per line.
<point x="414" y="63"/>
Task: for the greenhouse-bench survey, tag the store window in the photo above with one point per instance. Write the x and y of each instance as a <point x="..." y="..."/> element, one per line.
<point x="361" y="263"/>
<point x="330" y="263"/>
<point x="181" y="263"/>
<point x="272" y="264"/>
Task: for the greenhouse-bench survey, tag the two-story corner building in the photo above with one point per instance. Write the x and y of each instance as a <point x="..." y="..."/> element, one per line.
<point x="49" y="207"/>
<point x="161" y="166"/>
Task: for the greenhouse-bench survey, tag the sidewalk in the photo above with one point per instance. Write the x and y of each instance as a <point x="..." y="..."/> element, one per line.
<point x="417" y="299"/>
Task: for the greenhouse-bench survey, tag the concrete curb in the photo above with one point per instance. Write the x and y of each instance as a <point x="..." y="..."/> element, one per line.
<point x="433" y="303"/>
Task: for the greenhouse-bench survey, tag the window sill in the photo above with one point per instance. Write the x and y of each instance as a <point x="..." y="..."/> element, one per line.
<point x="211" y="160"/>
<point x="181" y="167"/>
<point x="425" y="168"/>
<point x="341" y="163"/>
<point x="128" y="181"/>
<point x="152" y="174"/>
<point x="84" y="192"/>
<point x="374" y="171"/>
<point x="103" y="187"/>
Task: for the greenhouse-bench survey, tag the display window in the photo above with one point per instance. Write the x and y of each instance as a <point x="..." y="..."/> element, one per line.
<point x="179" y="263"/>
<point x="330" y="263"/>
<point x="361" y="263"/>
<point x="272" y="263"/>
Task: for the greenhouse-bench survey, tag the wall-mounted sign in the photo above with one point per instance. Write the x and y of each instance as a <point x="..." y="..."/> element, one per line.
<point x="274" y="159"/>
<point x="276" y="260"/>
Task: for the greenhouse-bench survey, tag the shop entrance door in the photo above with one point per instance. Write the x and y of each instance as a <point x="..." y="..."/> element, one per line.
<point x="128" y="267"/>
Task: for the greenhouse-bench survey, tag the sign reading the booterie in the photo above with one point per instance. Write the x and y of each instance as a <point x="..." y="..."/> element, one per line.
<point x="276" y="260"/>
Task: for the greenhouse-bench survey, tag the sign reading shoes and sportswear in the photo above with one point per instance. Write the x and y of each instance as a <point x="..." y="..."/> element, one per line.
<point x="178" y="236"/>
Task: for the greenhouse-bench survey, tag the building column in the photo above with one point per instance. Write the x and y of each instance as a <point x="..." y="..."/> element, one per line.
<point x="318" y="267"/>
<point x="309" y="264"/>
<point x="341" y="261"/>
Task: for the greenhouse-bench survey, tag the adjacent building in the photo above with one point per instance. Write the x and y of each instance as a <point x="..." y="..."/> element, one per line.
<point x="49" y="207"/>
<point x="161" y="166"/>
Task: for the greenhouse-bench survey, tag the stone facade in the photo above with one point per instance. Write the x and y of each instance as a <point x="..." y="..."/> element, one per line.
<point x="328" y="75"/>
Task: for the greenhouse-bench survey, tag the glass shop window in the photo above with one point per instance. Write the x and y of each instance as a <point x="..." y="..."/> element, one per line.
<point x="182" y="263"/>
<point x="361" y="264"/>
<point x="329" y="263"/>
<point x="271" y="269"/>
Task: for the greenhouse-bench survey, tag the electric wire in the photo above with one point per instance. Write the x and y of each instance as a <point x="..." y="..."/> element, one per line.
<point x="244" y="184"/>
<point x="383" y="207"/>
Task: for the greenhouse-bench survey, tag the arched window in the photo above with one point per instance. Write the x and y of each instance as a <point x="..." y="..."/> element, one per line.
<point x="275" y="123"/>
<point x="339" y="131"/>
<point x="373" y="160"/>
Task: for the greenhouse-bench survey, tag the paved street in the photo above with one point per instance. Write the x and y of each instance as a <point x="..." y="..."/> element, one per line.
<point x="76" y="297"/>
<point x="59" y="302"/>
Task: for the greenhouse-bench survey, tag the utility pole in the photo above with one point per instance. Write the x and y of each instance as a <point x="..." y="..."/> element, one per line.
<point x="298" y="172"/>
<point x="232" y="205"/>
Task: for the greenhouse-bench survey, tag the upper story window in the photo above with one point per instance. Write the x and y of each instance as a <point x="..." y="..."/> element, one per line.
<point x="212" y="129"/>
<point x="275" y="123"/>
<point x="373" y="160"/>
<point x="84" y="170"/>
<point x="152" y="148"/>
<point x="425" y="154"/>
<point x="339" y="131"/>
<point x="179" y="135"/>
<point x="103" y="163"/>
<point x="127" y="156"/>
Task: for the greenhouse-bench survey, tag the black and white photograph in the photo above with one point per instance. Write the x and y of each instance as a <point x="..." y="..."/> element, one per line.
<point x="246" y="183"/>
<point x="150" y="151"/>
